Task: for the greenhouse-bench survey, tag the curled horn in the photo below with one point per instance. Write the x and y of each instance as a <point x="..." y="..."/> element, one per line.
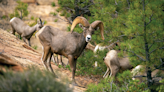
<point x="40" y="20"/>
<point x="99" y="24"/>
<point x="78" y="20"/>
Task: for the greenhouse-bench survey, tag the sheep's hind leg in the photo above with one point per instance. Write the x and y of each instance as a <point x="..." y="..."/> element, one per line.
<point x="62" y="61"/>
<point x="49" y="63"/>
<point x="45" y="56"/>
<point x="106" y="73"/>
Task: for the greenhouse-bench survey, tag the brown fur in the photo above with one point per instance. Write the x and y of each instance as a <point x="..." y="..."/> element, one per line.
<point x="115" y="65"/>
<point x="68" y="44"/>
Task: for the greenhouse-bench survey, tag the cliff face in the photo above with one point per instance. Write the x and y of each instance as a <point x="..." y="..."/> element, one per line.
<point x="17" y="50"/>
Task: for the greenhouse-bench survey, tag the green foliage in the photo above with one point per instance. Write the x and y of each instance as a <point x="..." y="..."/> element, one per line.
<point x="124" y="21"/>
<point x="32" y="80"/>
<point x="35" y="47"/>
<point x="32" y="17"/>
<point x="45" y="22"/>
<point x="53" y="13"/>
<point x="53" y="4"/>
<point x="59" y="9"/>
<point x="161" y="87"/>
<point x="20" y="10"/>
<point x="67" y="15"/>
<point x="85" y="63"/>
<point x="124" y="84"/>
<point x="4" y="17"/>
<point x="63" y="13"/>
<point x="55" y="20"/>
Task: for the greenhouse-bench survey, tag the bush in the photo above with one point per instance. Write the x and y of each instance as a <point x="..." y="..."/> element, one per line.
<point x="55" y="20"/>
<point x="85" y="63"/>
<point x="35" y="47"/>
<point x="32" y="17"/>
<point x="53" y="4"/>
<point x="53" y="13"/>
<point x="31" y="81"/>
<point x="124" y="84"/>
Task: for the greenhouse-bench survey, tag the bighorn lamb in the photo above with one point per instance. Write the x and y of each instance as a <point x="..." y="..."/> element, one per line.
<point x="68" y="44"/>
<point x="23" y="29"/>
<point x="114" y="64"/>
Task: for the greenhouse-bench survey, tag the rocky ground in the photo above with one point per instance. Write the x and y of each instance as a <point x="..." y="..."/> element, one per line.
<point x="21" y="54"/>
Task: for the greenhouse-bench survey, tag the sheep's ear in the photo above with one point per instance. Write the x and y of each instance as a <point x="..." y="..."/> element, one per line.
<point x="80" y="25"/>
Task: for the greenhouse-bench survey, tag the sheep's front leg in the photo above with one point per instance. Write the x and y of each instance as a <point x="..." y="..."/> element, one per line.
<point x="72" y="63"/>
<point x="29" y="42"/>
<point x="49" y="62"/>
<point x="24" y="39"/>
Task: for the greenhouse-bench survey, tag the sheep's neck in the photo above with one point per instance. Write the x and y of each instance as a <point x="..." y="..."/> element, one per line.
<point x="82" y="43"/>
<point x="33" y="29"/>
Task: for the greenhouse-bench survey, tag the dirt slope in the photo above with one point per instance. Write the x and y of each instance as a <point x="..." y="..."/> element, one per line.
<point x="27" y="56"/>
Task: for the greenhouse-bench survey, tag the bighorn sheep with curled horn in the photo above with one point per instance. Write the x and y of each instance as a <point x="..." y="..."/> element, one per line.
<point x="23" y="29"/>
<point x="114" y="64"/>
<point x="68" y="44"/>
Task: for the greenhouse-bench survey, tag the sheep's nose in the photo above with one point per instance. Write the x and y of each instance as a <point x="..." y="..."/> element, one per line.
<point x="88" y="38"/>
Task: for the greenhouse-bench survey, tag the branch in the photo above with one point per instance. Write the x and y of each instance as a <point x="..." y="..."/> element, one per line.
<point x="65" y="20"/>
<point x="137" y="56"/>
<point x="150" y="19"/>
<point x="139" y="76"/>
<point x="156" y="49"/>
<point x="68" y="8"/>
<point x="128" y="3"/>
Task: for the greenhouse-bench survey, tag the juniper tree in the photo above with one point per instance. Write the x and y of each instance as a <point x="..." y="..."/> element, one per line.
<point x="138" y="26"/>
<point x="20" y="10"/>
<point x="76" y="7"/>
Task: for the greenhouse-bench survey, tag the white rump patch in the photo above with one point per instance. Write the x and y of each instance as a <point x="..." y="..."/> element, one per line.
<point x="12" y="19"/>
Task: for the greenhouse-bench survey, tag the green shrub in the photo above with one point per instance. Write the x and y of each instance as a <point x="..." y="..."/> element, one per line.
<point x="32" y="17"/>
<point x="35" y="47"/>
<point x="31" y="81"/>
<point x="53" y="13"/>
<point x="85" y="63"/>
<point x="124" y="84"/>
<point x="58" y="9"/>
<point x="53" y="4"/>
<point x="20" y="9"/>
<point x="4" y="17"/>
<point x="67" y="15"/>
<point x="55" y="20"/>
<point x="63" y="13"/>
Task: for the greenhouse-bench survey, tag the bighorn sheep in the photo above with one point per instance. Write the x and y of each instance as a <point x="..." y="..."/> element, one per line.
<point x="68" y="44"/>
<point x="57" y="60"/>
<point x="23" y="29"/>
<point x="114" y="64"/>
<point x="140" y="70"/>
